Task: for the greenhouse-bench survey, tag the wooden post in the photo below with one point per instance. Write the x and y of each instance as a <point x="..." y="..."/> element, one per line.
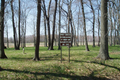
<point x="61" y="54"/>
<point x="69" y="55"/>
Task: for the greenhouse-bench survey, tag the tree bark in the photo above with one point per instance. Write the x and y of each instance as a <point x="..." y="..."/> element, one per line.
<point x="34" y="32"/>
<point x="54" y="20"/>
<point x="86" y="43"/>
<point x="98" y="29"/>
<point x="93" y="23"/>
<point x="16" y="44"/>
<point x="103" y="54"/>
<point x="74" y="33"/>
<point x="45" y="43"/>
<point x="111" y="24"/>
<point x="118" y="27"/>
<point x="48" y="24"/>
<point x="69" y="15"/>
<point x="114" y="43"/>
<point x="7" y="36"/>
<point x="24" y="41"/>
<point x="56" y="36"/>
<point x="77" y="44"/>
<point x="13" y="23"/>
<point x="2" y="53"/>
<point x="59" y="48"/>
<point x="19" y="13"/>
<point x="36" y="58"/>
<point x="48" y="21"/>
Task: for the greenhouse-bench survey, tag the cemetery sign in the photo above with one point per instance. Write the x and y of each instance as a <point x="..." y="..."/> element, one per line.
<point x="65" y="39"/>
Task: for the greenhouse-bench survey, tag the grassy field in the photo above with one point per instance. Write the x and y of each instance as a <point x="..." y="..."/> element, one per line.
<point x="83" y="64"/>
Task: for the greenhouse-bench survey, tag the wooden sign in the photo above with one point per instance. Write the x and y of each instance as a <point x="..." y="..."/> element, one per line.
<point x="65" y="39"/>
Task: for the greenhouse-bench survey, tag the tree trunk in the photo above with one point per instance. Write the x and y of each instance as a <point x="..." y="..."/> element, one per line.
<point x="83" y="40"/>
<point x="86" y="43"/>
<point x="103" y="54"/>
<point x="24" y="41"/>
<point x="114" y="37"/>
<point x="56" y="37"/>
<point x="59" y="48"/>
<point x="71" y="27"/>
<point x="68" y="20"/>
<point x="98" y="29"/>
<point x="13" y="23"/>
<point x="48" y="22"/>
<point x="71" y="35"/>
<point x="34" y="33"/>
<point x="36" y="58"/>
<point x="45" y="43"/>
<point x="49" y="36"/>
<point x="77" y="44"/>
<point x="69" y="16"/>
<point x="119" y="24"/>
<point x="74" y="35"/>
<point x="2" y="53"/>
<point x="111" y="24"/>
<point x="7" y="37"/>
<point x="19" y="13"/>
<point x="114" y="43"/>
<point x="54" y="20"/>
<point x="93" y="23"/>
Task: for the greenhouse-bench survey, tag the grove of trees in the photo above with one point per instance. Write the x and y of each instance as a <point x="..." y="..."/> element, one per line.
<point x="81" y="18"/>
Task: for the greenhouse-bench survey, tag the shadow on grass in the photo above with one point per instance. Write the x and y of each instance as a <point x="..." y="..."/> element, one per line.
<point x="100" y="63"/>
<point x="42" y="58"/>
<point x="53" y="57"/>
<point x="73" y="77"/>
<point x="114" y="58"/>
<point x="19" y="58"/>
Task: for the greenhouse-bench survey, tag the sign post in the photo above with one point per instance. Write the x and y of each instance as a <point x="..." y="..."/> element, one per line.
<point x="69" y="55"/>
<point x="65" y="40"/>
<point x="61" y="54"/>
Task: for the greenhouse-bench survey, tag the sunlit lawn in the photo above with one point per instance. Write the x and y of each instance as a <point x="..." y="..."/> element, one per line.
<point x="83" y="64"/>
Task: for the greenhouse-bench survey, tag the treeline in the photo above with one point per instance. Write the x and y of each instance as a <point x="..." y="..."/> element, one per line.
<point x="30" y="39"/>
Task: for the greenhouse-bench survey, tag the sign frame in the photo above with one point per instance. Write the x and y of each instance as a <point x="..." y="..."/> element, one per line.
<point x="65" y="40"/>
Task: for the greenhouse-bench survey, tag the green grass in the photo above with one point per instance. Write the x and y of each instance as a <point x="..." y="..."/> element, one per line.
<point x="83" y="64"/>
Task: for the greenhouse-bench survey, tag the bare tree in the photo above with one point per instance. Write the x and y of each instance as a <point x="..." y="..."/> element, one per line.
<point x="54" y="20"/>
<point x="34" y="32"/>
<point x="36" y="58"/>
<point x="7" y="36"/>
<point x="103" y="54"/>
<point x="2" y="53"/>
<point x="47" y="14"/>
<point x="118" y="27"/>
<point x="86" y="43"/>
<point x="59" y="48"/>
<point x="45" y="44"/>
<point x="116" y="6"/>
<point x="111" y="30"/>
<point x="93" y="11"/>
<point x="13" y="23"/>
<point x="16" y="43"/>
<point x="98" y="24"/>
<point x="19" y="13"/>
<point x="6" y="27"/>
